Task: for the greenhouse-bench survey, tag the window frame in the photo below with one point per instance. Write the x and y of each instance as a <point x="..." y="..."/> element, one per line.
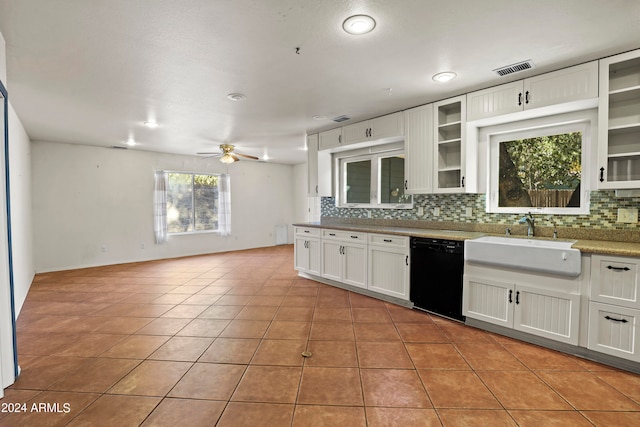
<point x="193" y="204"/>
<point x="581" y="121"/>
<point x="344" y="158"/>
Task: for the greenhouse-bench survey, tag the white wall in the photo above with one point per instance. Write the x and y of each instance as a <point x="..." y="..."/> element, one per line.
<point x="21" y="224"/>
<point x="86" y="197"/>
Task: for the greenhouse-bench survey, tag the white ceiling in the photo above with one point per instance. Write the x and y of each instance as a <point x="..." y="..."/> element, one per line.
<point x="92" y="71"/>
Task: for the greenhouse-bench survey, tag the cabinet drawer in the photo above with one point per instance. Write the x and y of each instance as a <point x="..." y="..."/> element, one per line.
<point x="308" y="231"/>
<point x="344" y="235"/>
<point x="615" y="280"/>
<point x="389" y="240"/>
<point x="613" y="330"/>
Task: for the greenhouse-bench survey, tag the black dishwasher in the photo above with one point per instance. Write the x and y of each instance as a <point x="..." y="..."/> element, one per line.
<point x="436" y="276"/>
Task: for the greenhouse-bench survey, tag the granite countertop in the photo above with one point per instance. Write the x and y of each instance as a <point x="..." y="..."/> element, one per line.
<point x="604" y="247"/>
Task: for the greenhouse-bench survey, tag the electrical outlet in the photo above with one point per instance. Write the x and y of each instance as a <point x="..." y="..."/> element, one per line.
<point x="420" y="211"/>
<point x="436" y="211"/>
<point x="103" y="248"/>
<point x="468" y="211"/>
<point x="628" y="216"/>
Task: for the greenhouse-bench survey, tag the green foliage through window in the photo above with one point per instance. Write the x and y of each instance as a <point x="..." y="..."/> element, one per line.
<point x="192" y="202"/>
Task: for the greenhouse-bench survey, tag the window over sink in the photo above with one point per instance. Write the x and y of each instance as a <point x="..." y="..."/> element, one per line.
<point x="540" y="165"/>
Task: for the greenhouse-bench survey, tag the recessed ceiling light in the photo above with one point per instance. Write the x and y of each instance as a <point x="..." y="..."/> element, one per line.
<point x="444" y="76"/>
<point x="359" y="24"/>
<point x="319" y="117"/>
<point x="130" y="142"/>
<point x="151" y="124"/>
<point x="237" y="96"/>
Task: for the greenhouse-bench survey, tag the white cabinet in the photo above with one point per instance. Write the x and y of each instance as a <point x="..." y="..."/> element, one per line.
<point x="389" y="127"/>
<point x="344" y="257"/>
<point x="312" y="164"/>
<point x="330" y="139"/>
<point x="542" y="312"/>
<point x="418" y="148"/>
<point x="307" y="250"/>
<point x="619" y="122"/>
<point x="495" y="101"/>
<point x="567" y="85"/>
<point x="449" y="145"/>
<point x="318" y="169"/>
<point x="614" y="330"/>
<point x="614" y="308"/>
<point x="615" y="280"/>
<point x="389" y="265"/>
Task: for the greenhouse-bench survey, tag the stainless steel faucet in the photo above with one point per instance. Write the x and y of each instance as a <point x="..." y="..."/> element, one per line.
<point x="531" y="222"/>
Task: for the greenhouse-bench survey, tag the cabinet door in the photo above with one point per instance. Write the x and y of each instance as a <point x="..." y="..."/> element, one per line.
<point x="389" y="271"/>
<point x="418" y="146"/>
<point x="315" y="256"/>
<point x="332" y="259"/>
<point x="571" y="84"/>
<point x="613" y="330"/>
<point x="488" y="300"/>
<point x="615" y="280"/>
<point x="547" y="313"/>
<point x="357" y="132"/>
<point x="330" y="139"/>
<point x="389" y="126"/>
<point x="312" y="164"/>
<point x="495" y="101"/>
<point x="355" y="264"/>
<point x="301" y="254"/>
<point x="619" y="122"/>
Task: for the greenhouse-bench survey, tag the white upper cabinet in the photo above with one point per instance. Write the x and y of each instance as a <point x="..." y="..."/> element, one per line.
<point x="562" y="86"/>
<point x="330" y="139"/>
<point x="318" y="169"/>
<point x="449" y="145"/>
<point x="312" y="164"/>
<point x="570" y="84"/>
<point x="495" y="101"/>
<point x="390" y="127"/>
<point x="418" y="148"/>
<point x="619" y="118"/>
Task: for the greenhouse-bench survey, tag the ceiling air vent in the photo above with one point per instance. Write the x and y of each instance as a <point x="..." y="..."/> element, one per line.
<point x="515" y="68"/>
<point x="341" y="119"/>
<point x="119" y="147"/>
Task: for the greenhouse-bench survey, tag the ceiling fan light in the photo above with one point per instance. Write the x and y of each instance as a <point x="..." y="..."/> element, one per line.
<point x="227" y="158"/>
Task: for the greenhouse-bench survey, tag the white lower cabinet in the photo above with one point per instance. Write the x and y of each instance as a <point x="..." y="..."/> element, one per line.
<point x="389" y="265"/>
<point x="307" y="250"/>
<point x="344" y="257"/>
<point x="614" y="307"/>
<point x="613" y="330"/>
<point x="541" y="312"/>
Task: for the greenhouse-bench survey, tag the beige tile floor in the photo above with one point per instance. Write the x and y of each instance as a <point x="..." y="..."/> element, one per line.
<point x="217" y="340"/>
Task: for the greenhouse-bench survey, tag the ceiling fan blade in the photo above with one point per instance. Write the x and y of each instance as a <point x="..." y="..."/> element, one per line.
<point x="211" y="154"/>
<point x="246" y="156"/>
<point x="234" y="156"/>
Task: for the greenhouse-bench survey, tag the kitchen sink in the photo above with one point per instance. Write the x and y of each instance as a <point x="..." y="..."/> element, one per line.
<point x="545" y="256"/>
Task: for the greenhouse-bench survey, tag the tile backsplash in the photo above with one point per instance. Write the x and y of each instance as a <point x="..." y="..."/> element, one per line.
<point x="453" y="208"/>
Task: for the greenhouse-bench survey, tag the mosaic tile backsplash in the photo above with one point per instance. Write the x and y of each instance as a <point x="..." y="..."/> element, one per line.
<point x="604" y="211"/>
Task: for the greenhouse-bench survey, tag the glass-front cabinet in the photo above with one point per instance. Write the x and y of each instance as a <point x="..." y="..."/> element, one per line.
<point x="619" y="119"/>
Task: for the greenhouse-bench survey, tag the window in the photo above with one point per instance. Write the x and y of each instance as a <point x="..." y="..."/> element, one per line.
<point x="192" y="202"/>
<point x="540" y="168"/>
<point x="373" y="180"/>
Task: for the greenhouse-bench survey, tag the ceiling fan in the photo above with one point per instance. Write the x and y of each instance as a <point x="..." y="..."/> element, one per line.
<point x="228" y="155"/>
